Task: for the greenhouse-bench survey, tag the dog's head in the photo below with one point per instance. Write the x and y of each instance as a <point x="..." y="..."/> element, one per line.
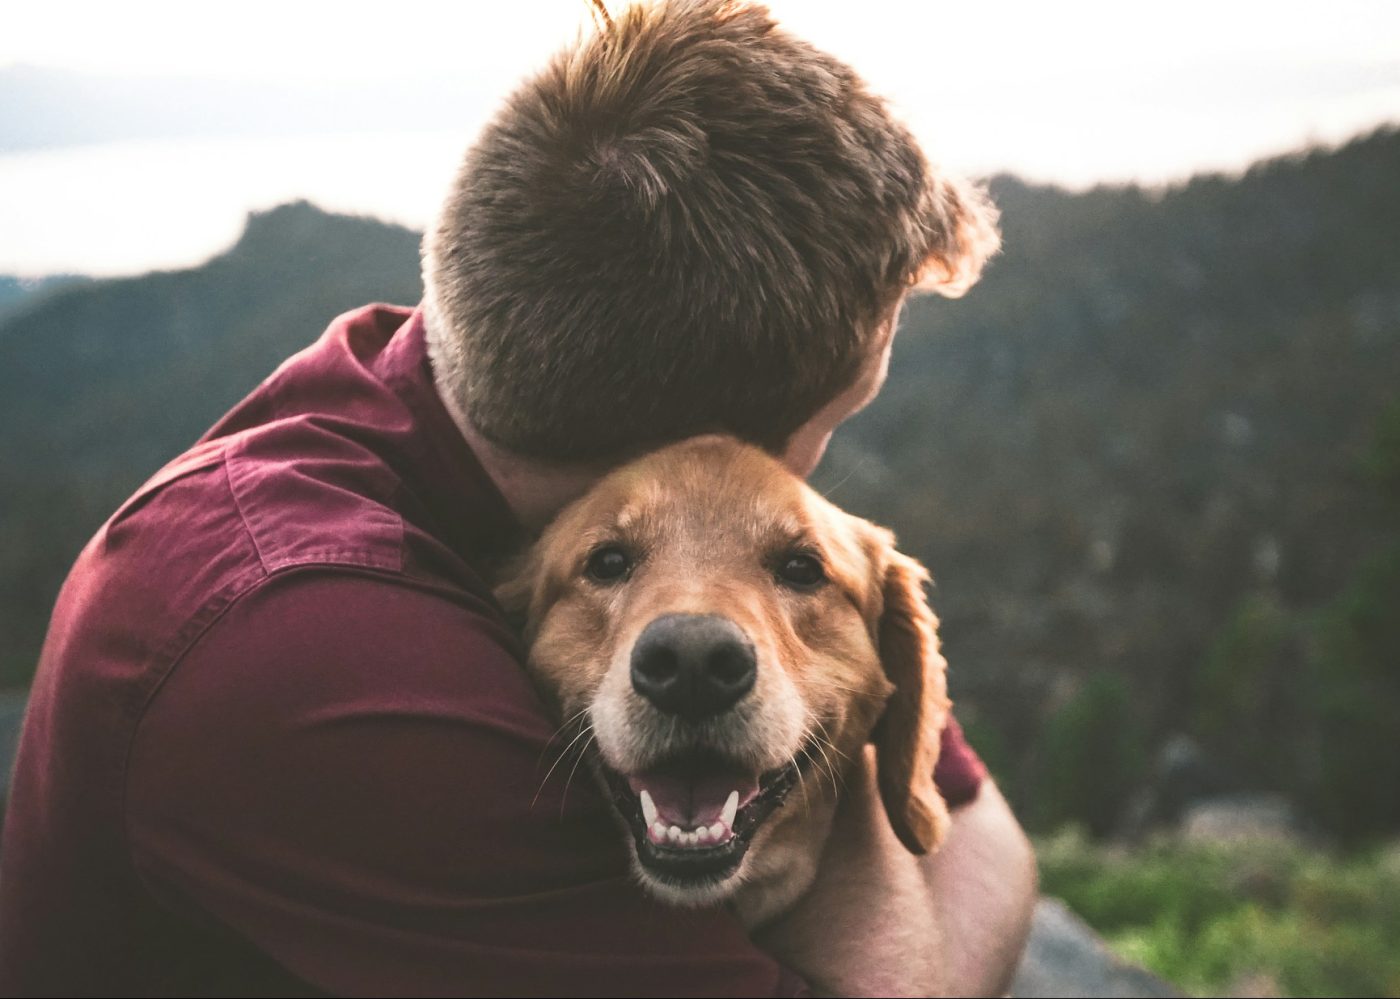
<point x="731" y="641"/>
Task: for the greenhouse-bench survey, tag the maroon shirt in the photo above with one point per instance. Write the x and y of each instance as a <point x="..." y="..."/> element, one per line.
<point x="280" y="738"/>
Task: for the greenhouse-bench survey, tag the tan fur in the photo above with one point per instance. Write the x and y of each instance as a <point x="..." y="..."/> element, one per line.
<point x="707" y="518"/>
<point x="908" y="737"/>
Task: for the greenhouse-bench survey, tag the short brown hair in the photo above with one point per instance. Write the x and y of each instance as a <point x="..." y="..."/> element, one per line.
<point x="688" y="222"/>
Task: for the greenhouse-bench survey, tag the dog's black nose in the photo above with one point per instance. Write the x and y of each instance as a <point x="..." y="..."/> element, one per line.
<point x="693" y="665"/>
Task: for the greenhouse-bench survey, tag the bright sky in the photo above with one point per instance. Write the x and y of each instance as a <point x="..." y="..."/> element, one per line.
<point x="1073" y="92"/>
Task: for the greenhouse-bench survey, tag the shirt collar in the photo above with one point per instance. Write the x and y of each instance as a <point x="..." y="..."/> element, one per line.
<point x="467" y="509"/>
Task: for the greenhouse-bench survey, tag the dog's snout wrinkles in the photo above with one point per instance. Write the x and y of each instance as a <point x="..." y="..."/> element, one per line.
<point x="693" y="665"/>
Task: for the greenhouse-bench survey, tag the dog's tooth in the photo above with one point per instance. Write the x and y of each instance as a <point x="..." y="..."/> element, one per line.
<point x="674" y="834"/>
<point x="703" y="834"/>
<point x="691" y="839"/>
<point x="658" y="831"/>
<point x="717" y="831"/>
<point x="731" y="809"/>
<point x="648" y="807"/>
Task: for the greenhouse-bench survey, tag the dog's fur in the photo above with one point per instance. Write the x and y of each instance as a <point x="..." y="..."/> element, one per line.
<point x="852" y="660"/>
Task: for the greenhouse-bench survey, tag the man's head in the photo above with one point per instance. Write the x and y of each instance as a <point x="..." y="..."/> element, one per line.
<point x="689" y="222"/>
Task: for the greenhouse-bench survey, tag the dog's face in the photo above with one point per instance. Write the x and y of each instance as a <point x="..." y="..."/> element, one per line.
<point x="729" y="640"/>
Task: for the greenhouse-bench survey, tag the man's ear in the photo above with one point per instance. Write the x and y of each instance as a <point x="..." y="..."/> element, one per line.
<point x="908" y="738"/>
<point x="961" y="224"/>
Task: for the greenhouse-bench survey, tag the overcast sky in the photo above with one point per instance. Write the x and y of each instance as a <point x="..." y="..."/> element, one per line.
<point x="1069" y="92"/>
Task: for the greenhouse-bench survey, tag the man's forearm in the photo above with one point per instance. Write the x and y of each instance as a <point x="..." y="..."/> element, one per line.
<point x="880" y="921"/>
<point x="983" y="888"/>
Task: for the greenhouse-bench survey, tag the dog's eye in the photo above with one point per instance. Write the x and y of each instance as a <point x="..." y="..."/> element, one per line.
<point x="801" y="571"/>
<point x="608" y="564"/>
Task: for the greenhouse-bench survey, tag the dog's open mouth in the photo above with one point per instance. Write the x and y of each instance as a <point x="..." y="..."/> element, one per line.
<point x="694" y="815"/>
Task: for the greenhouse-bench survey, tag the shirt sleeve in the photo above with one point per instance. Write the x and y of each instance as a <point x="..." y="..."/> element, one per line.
<point x="960" y="771"/>
<point x="356" y="776"/>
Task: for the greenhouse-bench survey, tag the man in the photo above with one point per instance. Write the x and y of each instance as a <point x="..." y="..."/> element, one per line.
<point x="280" y="739"/>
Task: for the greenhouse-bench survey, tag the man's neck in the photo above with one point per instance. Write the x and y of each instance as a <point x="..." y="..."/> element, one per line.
<point x="534" y="490"/>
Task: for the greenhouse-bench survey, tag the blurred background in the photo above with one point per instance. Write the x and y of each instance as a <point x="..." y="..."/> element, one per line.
<point x="1153" y="459"/>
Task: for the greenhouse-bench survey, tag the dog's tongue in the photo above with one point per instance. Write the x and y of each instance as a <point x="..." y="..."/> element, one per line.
<point x="690" y="797"/>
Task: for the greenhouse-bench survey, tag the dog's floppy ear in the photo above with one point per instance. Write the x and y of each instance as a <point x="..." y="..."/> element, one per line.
<point x="514" y="585"/>
<point x="909" y="735"/>
<point x="961" y="227"/>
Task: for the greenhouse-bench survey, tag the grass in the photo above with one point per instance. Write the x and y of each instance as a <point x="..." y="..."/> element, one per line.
<point x="1215" y="918"/>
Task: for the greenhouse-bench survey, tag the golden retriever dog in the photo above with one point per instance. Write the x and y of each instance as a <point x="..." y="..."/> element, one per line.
<point x="729" y="641"/>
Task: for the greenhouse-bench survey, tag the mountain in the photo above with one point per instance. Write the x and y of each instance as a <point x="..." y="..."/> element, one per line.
<point x="16" y="293"/>
<point x="1135" y="458"/>
<point x="101" y="385"/>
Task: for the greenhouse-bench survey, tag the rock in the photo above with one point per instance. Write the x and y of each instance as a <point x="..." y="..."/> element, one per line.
<point x="1182" y="774"/>
<point x="1064" y="957"/>
<point x="1254" y="986"/>
<point x="1236" y="817"/>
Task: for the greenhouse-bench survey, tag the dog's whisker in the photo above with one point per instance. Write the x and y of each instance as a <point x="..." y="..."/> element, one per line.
<point x="822" y="731"/>
<point x="560" y="759"/>
<point x="838" y="777"/>
<point x="572" y="718"/>
<point x="560" y="732"/>
<point x="802" y="783"/>
<point x="857" y="466"/>
<point x="821" y="739"/>
<point x="831" y="744"/>
<point x="581" y="754"/>
<point x="827" y="766"/>
<point x="565" y="751"/>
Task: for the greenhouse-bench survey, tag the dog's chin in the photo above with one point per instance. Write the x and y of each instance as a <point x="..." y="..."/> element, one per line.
<point x="692" y="819"/>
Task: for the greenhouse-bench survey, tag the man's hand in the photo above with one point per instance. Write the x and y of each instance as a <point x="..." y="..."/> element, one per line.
<point x="881" y="921"/>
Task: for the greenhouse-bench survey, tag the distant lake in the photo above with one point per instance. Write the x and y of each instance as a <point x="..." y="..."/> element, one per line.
<point x="124" y="208"/>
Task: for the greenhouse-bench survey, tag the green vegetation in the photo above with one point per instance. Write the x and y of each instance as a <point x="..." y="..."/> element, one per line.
<point x="1091" y="758"/>
<point x="1382" y="460"/>
<point x="1209" y="918"/>
<point x="1355" y="673"/>
<point x="1237" y="693"/>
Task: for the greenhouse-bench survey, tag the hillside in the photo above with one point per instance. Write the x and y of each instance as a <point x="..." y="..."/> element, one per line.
<point x="1149" y="418"/>
<point x="101" y="385"/>
<point x="18" y="293"/>
<point x="1146" y="424"/>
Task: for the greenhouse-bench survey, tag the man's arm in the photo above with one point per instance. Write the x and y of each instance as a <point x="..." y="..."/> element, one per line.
<point x="880" y="921"/>
<point x="983" y="888"/>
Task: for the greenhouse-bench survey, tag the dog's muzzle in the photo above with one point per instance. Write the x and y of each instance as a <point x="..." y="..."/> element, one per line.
<point x="693" y="810"/>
